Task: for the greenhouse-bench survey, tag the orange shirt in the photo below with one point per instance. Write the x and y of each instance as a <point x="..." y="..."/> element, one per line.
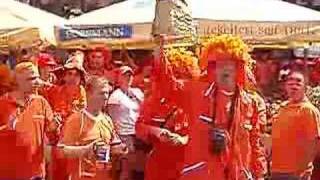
<point x="32" y="122"/>
<point x="5" y="79"/>
<point x="82" y="128"/>
<point x="294" y="136"/>
<point x="66" y="99"/>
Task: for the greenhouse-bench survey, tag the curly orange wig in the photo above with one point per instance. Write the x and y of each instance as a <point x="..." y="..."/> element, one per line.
<point x="182" y="62"/>
<point x="223" y="47"/>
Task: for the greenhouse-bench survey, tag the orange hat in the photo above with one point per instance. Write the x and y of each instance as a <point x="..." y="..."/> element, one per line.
<point x="74" y="62"/>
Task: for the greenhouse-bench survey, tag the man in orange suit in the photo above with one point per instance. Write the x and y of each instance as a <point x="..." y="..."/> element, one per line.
<point x="227" y="122"/>
<point x="220" y="122"/>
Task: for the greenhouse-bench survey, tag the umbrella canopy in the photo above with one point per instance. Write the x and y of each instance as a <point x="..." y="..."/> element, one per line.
<point x="22" y="24"/>
<point x="139" y="13"/>
<point x="252" y="10"/>
<point x="258" y="21"/>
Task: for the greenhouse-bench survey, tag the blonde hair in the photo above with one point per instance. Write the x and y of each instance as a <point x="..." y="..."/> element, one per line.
<point x="95" y="82"/>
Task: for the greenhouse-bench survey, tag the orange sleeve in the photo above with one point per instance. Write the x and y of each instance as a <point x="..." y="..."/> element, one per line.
<point x="71" y="129"/>
<point x="312" y="123"/>
<point x="51" y="125"/>
<point x="5" y="113"/>
<point x="144" y="129"/>
<point x="47" y="110"/>
<point x="258" y="156"/>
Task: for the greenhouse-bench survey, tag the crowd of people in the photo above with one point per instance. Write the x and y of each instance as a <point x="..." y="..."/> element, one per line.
<point x="180" y="116"/>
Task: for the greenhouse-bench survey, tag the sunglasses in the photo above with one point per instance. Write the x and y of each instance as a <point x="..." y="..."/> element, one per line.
<point x="71" y="73"/>
<point x="32" y="78"/>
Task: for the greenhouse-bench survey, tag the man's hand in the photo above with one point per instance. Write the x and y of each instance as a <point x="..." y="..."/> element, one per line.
<point x="168" y="137"/>
<point x="176" y="139"/>
<point x="267" y="141"/>
<point x="120" y="149"/>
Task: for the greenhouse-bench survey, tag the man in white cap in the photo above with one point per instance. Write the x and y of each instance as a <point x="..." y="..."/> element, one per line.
<point x="123" y="106"/>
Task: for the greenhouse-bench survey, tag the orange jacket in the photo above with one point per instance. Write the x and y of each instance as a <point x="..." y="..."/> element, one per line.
<point x="165" y="161"/>
<point x="195" y="161"/>
<point x="245" y="151"/>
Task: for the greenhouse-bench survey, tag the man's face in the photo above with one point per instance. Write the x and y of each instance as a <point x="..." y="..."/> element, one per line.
<point x="295" y="86"/>
<point x="26" y="80"/>
<point x="226" y="74"/>
<point x="100" y="95"/>
<point x="72" y="77"/>
<point x="125" y="80"/>
<point x="26" y="55"/>
<point x="96" y="60"/>
<point x="45" y="71"/>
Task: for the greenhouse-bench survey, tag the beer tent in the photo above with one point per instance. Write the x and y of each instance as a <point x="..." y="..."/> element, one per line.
<point x="23" y="25"/>
<point x="257" y="21"/>
<point x="136" y="15"/>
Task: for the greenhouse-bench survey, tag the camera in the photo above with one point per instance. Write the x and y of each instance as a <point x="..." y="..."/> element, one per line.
<point x="219" y="140"/>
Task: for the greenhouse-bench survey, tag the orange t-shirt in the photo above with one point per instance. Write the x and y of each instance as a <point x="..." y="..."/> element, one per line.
<point x="66" y="99"/>
<point x="294" y="136"/>
<point x="32" y="123"/>
<point x="81" y="128"/>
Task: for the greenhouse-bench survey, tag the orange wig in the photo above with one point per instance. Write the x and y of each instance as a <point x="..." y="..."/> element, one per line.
<point x="226" y="47"/>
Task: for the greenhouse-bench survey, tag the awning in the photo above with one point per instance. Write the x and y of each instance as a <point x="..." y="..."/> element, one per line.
<point x="257" y="21"/>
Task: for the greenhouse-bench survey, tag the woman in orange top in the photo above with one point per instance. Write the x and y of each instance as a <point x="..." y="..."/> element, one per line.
<point x="69" y="95"/>
<point x="91" y="125"/>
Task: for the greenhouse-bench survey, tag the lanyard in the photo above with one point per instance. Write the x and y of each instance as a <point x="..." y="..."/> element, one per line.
<point x="230" y="114"/>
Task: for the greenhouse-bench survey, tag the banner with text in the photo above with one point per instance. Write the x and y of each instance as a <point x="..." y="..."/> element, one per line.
<point x="74" y="32"/>
<point x="259" y="31"/>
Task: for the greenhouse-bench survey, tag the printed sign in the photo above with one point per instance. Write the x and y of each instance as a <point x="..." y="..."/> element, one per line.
<point x="310" y="52"/>
<point x="257" y="30"/>
<point x="72" y="32"/>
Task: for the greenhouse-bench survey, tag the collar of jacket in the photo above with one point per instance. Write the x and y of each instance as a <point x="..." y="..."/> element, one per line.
<point x="245" y="97"/>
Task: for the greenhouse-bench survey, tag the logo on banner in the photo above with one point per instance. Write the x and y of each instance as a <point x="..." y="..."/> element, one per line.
<point x="72" y="32"/>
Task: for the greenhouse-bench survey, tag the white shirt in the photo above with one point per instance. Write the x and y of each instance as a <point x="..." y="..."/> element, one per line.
<point x="124" y="109"/>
